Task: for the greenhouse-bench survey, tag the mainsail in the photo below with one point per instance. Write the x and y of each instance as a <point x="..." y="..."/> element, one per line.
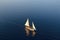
<point x="27" y="22"/>
<point x="33" y="26"/>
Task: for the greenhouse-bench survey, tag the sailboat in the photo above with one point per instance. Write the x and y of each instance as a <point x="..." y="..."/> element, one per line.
<point x="27" y="24"/>
<point x="33" y="26"/>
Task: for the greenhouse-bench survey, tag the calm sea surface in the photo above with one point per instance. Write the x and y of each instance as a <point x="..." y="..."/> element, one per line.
<point x="44" y="13"/>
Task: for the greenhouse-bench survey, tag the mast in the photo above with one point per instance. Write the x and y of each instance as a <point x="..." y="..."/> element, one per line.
<point x="33" y="26"/>
<point x="27" y="22"/>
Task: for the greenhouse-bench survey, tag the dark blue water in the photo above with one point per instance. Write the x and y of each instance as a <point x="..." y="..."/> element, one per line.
<point x="44" y="13"/>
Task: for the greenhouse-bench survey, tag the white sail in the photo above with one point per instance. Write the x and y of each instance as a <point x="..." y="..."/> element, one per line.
<point x="27" y="22"/>
<point x="33" y="26"/>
